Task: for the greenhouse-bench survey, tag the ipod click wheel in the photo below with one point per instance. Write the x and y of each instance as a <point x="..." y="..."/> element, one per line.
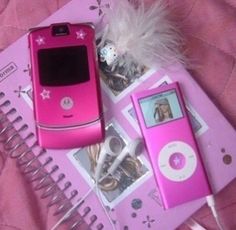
<point x="177" y="161"/>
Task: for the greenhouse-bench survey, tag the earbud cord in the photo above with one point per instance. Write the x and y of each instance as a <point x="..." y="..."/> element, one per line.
<point x="98" y="191"/>
<point x="194" y="225"/>
<point x="80" y="201"/>
<point x="75" y="206"/>
<point x="211" y="204"/>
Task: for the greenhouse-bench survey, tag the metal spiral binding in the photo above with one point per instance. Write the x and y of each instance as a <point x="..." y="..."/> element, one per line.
<point x="19" y="147"/>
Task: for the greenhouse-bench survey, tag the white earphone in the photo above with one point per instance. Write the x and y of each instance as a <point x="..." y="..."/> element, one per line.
<point x="112" y="146"/>
<point x="133" y="149"/>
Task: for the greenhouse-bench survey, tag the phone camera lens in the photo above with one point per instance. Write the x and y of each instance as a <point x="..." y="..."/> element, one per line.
<point x="60" y="30"/>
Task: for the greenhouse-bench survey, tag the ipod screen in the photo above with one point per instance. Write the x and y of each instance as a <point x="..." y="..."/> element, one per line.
<point x="160" y="108"/>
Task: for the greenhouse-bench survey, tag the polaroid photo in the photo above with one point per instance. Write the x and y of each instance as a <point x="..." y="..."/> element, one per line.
<point x="197" y="122"/>
<point x="116" y="93"/>
<point x="130" y="115"/>
<point x="131" y="173"/>
<point x="118" y="75"/>
<point x="163" y="81"/>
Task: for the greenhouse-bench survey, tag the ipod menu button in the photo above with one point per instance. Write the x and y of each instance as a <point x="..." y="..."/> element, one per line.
<point x="177" y="161"/>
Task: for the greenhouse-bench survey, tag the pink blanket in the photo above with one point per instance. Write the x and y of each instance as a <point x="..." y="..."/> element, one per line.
<point x="209" y="27"/>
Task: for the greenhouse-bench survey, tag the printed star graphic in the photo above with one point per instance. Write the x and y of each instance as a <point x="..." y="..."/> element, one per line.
<point x="80" y="34"/>
<point x="45" y="94"/>
<point x="40" y="40"/>
<point x="148" y="221"/>
<point x="177" y="161"/>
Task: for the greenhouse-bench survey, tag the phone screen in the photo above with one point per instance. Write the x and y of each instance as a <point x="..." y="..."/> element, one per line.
<point x="63" y="66"/>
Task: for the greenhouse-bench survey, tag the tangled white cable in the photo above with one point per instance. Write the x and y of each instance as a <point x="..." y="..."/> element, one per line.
<point x="113" y="147"/>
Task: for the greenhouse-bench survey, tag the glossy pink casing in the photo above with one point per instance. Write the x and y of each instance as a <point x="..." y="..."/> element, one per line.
<point x="82" y="124"/>
<point x="156" y="138"/>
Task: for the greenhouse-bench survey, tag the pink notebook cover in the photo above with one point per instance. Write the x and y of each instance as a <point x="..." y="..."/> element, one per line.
<point x="134" y="201"/>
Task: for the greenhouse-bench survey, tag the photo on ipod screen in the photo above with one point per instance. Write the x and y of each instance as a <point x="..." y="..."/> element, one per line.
<point x="127" y="175"/>
<point x="160" y="108"/>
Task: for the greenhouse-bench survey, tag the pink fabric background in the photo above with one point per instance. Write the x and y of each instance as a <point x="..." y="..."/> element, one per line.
<point x="209" y="27"/>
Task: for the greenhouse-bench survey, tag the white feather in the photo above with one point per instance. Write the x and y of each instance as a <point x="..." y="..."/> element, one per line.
<point x="142" y="35"/>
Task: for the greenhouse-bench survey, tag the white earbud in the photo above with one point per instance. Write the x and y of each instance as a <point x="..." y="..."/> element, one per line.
<point x="133" y="149"/>
<point x="112" y="146"/>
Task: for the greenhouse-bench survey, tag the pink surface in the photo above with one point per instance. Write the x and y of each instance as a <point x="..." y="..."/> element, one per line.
<point x="209" y="29"/>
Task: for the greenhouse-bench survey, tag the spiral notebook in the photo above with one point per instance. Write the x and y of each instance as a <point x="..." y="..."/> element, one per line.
<point x="64" y="176"/>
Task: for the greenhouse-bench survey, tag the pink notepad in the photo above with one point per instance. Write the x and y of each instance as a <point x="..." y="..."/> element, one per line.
<point x="134" y="201"/>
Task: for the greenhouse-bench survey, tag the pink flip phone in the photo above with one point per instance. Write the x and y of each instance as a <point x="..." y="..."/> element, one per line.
<point x="171" y="145"/>
<point x="66" y="87"/>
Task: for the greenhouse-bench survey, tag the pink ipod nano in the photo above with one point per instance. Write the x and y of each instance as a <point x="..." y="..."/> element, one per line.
<point x="66" y="90"/>
<point x="171" y="145"/>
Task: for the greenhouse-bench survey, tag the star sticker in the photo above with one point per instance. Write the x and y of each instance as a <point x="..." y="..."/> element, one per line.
<point x="45" y="94"/>
<point x="177" y="161"/>
<point x="40" y="40"/>
<point x="80" y="34"/>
